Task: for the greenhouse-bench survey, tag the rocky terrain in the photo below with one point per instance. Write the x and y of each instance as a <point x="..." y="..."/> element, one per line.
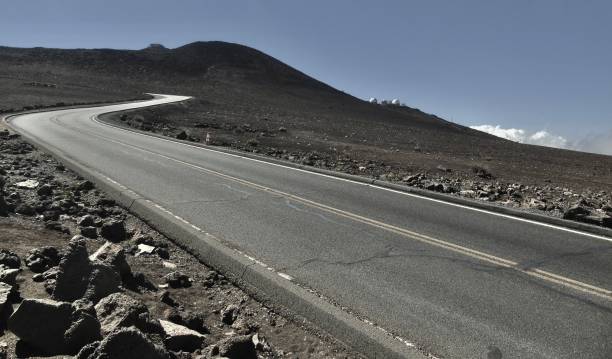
<point x="248" y="100"/>
<point x="80" y="276"/>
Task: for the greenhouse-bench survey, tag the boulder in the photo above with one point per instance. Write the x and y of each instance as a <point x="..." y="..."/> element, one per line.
<point x="237" y="347"/>
<point x="85" y="186"/>
<point x="8" y="275"/>
<point x="113" y="230"/>
<point x="78" y="277"/>
<point x="7" y="294"/>
<point x="64" y="328"/>
<point x="119" y="310"/>
<point x="113" y="255"/>
<point x="182" y="135"/>
<point x="89" y="232"/>
<point x="41" y="259"/>
<point x="45" y="190"/>
<point x="229" y="314"/>
<point x="4" y="208"/>
<point x="180" y="338"/>
<point x="125" y="343"/>
<point x="9" y="259"/>
<point x="86" y="221"/>
<point x="177" y="279"/>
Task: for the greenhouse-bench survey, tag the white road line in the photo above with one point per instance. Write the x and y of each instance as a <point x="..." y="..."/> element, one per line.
<point x="568" y="230"/>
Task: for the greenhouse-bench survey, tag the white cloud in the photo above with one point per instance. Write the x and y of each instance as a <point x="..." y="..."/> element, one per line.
<point x="542" y="138"/>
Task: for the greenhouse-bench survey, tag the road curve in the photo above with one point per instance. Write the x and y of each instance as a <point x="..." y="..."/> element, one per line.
<point x="457" y="282"/>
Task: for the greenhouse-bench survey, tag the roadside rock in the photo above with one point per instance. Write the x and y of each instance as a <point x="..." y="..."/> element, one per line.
<point x="86" y="221"/>
<point x="41" y="259"/>
<point x="229" y="314"/>
<point x="54" y="327"/>
<point x="8" y="275"/>
<point x="125" y="343"/>
<point x="180" y="338"/>
<point x="119" y="310"/>
<point x="7" y="294"/>
<point x="113" y="255"/>
<point x="113" y="230"/>
<point x="77" y="277"/>
<point x="177" y="279"/>
<point x="89" y="232"/>
<point x="9" y="259"/>
<point x="237" y="347"/>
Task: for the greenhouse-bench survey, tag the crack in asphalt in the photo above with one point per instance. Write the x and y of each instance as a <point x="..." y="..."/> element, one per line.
<point x="540" y="262"/>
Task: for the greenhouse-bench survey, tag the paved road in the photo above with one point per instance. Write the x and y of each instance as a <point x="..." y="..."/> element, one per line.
<point x="459" y="282"/>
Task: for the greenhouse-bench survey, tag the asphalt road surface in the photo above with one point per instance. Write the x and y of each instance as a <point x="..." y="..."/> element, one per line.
<point x="459" y="282"/>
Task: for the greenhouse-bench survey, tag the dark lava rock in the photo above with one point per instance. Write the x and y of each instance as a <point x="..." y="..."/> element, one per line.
<point x="45" y="190"/>
<point x="237" y="347"/>
<point x="86" y="221"/>
<point x="113" y="230"/>
<point x="41" y="259"/>
<point x="182" y="135"/>
<point x="89" y="232"/>
<point x="125" y="343"/>
<point x="54" y="327"/>
<point x="85" y="186"/>
<point x="25" y="209"/>
<point x="9" y="259"/>
<point x="229" y="314"/>
<point x="4" y="208"/>
<point x="113" y="255"/>
<point x="181" y="338"/>
<point x="177" y="279"/>
<point x="7" y="294"/>
<point x="120" y="311"/>
<point x="77" y="277"/>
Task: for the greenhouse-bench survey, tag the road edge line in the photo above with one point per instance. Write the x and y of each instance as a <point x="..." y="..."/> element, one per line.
<point x="474" y="204"/>
<point x="364" y="338"/>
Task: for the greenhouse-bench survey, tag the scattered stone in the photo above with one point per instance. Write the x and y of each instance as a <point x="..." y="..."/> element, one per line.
<point x="182" y="135"/>
<point x="89" y="232"/>
<point x="85" y="186"/>
<point x="125" y="343"/>
<point x="188" y="319"/>
<point x="166" y="298"/>
<point x="177" y="279"/>
<point x="9" y="259"/>
<point x="113" y="230"/>
<point x="145" y="249"/>
<point x="113" y="255"/>
<point x="8" y="275"/>
<point x="229" y="314"/>
<point x="181" y="338"/>
<point x="119" y="310"/>
<point x="45" y="190"/>
<point x="27" y="184"/>
<point x="7" y="294"/>
<point x="65" y="328"/>
<point x="86" y="221"/>
<point x="41" y="259"/>
<point x="169" y="265"/>
<point x="237" y="347"/>
<point x="77" y="277"/>
<point x="25" y="209"/>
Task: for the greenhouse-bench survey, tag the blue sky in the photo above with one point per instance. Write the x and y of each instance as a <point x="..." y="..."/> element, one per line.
<point x="528" y="65"/>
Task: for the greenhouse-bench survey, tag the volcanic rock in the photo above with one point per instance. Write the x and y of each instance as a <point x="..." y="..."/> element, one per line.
<point x="54" y="327"/>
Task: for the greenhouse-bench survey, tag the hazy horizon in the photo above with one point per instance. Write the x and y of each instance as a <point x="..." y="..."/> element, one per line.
<point x="532" y="72"/>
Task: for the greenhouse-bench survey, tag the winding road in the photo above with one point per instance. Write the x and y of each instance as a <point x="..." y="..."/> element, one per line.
<point x="455" y="281"/>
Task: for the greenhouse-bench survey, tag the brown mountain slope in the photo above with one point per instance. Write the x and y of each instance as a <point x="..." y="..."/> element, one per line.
<point x="249" y="100"/>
